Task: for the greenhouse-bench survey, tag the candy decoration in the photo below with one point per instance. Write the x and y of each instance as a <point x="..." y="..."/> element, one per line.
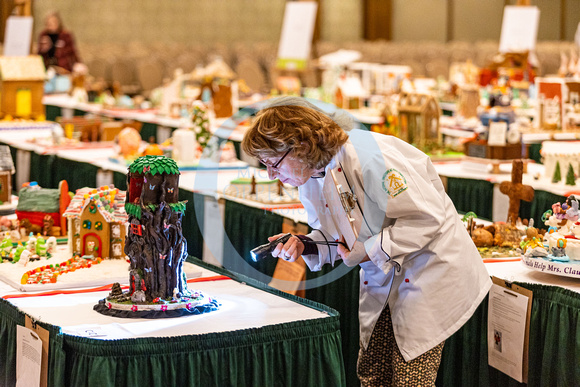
<point x="50" y="273"/>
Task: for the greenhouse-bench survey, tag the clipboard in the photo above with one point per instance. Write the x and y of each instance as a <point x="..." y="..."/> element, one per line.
<point x="341" y="205"/>
<point x="508" y="286"/>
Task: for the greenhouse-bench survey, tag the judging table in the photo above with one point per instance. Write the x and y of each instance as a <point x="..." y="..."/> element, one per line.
<point x="258" y="337"/>
<point x="554" y="304"/>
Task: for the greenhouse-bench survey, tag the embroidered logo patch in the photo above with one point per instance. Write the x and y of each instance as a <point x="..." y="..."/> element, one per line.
<point x="394" y="182"/>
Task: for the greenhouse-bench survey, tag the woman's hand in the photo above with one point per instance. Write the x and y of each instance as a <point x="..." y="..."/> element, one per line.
<point x="289" y="251"/>
<point x="352" y="257"/>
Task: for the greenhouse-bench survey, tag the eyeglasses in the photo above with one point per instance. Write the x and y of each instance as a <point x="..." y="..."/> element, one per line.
<point x="275" y="166"/>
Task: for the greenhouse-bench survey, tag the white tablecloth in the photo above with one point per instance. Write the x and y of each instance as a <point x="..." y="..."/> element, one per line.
<point x="517" y="271"/>
<point x="242" y="307"/>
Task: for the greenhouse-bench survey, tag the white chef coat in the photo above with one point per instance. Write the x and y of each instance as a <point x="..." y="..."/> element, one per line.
<point x="419" y="250"/>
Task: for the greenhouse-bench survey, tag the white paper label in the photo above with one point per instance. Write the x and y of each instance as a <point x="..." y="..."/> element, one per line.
<point x="506" y="326"/>
<point x="28" y="357"/>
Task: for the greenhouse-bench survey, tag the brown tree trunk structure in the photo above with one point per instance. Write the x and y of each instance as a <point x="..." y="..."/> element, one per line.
<point x="158" y="254"/>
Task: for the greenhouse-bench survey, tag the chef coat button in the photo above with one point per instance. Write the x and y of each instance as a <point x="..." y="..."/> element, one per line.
<point x="339" y="169"/>
<point x="406" y="280"/>
<point x="366" y="282"/>
<point x="326" y="205"/>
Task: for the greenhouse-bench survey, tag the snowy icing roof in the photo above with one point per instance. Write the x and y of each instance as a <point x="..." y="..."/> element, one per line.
<point x="109" y="200"/>
<point x="560" y="148"/>
<point x="22" y="68"/>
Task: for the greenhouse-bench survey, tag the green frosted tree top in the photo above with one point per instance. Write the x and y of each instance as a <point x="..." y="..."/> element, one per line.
<point x="154" y="165"/>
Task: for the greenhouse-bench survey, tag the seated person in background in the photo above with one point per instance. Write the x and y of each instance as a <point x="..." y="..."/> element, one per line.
<point x="56" y="45"/>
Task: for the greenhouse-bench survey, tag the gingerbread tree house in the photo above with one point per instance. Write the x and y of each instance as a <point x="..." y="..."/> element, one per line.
<point x="22" y="86"/>
<point x="155" y="243"/>
<point x="97" y="222"/>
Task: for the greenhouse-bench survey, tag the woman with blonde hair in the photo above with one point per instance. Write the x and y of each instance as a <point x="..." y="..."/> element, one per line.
<point x="56" y="45"/>
<point x="422" y="277"/>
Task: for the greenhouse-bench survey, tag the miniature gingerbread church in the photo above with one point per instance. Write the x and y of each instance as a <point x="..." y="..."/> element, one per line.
<point x="97" y="222"/>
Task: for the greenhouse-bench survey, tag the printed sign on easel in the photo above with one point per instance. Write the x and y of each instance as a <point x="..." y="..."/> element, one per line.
<point x="296" y="37"/>
<point x="519" y="28"/>
<point x="18" y="36"/>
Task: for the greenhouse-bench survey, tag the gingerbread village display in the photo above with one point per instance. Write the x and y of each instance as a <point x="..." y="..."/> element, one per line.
<point x="555" y="248"/>
<point x="155" y="246"/>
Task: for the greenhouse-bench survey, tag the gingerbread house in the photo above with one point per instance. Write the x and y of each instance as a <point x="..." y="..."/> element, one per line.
<point x="22" y="86"/>
<point x="419" y="119"/>
<point x="97" y="222"/>
<point x="41" y="209"/>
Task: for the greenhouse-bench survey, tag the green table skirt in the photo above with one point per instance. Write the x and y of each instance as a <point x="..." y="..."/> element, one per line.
<point x="249" y="227"/>
<point x="554" y="346"/>
<point x="302" y="353"/>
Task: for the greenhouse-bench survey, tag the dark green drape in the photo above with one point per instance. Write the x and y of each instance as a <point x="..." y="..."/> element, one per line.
<point x="192" y="229"/>
<point x="342" y="295"/>
<point x="120" y="180"/>
<point x="148" y="130"/>
<point x="542" y="202"/>
<point x="302" y="353"/>
<point x="534" y="152"/>
<point x="554" y="346"/>
<point x="471" y="195"/>
<point x="245" y="228"/>
<point x="77" y="174"/>
<point x="52" y="112"/>
<point x="42" y="170"/>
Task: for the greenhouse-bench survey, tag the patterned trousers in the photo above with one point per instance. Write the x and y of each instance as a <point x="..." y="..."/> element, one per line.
<point x="382" y="364"/>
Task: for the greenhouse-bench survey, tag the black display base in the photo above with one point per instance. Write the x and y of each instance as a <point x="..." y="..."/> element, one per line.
<point x="102" y="308"/>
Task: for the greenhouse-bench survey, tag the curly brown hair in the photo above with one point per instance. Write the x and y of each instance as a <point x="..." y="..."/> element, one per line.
<point x="313" y="137"/>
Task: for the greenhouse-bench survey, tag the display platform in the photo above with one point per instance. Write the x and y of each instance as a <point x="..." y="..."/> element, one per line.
<point x="258" y="337"/>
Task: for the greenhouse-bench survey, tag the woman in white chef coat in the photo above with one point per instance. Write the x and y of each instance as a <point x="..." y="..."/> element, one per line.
<point x="422" y="277"/>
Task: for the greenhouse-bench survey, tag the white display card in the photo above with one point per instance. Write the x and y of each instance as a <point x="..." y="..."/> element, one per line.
<point x="297" y="32"/>
<point x="519" y="28"/>
<point x="28" y="357"/>
<point x="213" y="248"/>
<point x="18" y="36"/>
<point x="508" y="318"/>
<point x="497" y="133"/>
